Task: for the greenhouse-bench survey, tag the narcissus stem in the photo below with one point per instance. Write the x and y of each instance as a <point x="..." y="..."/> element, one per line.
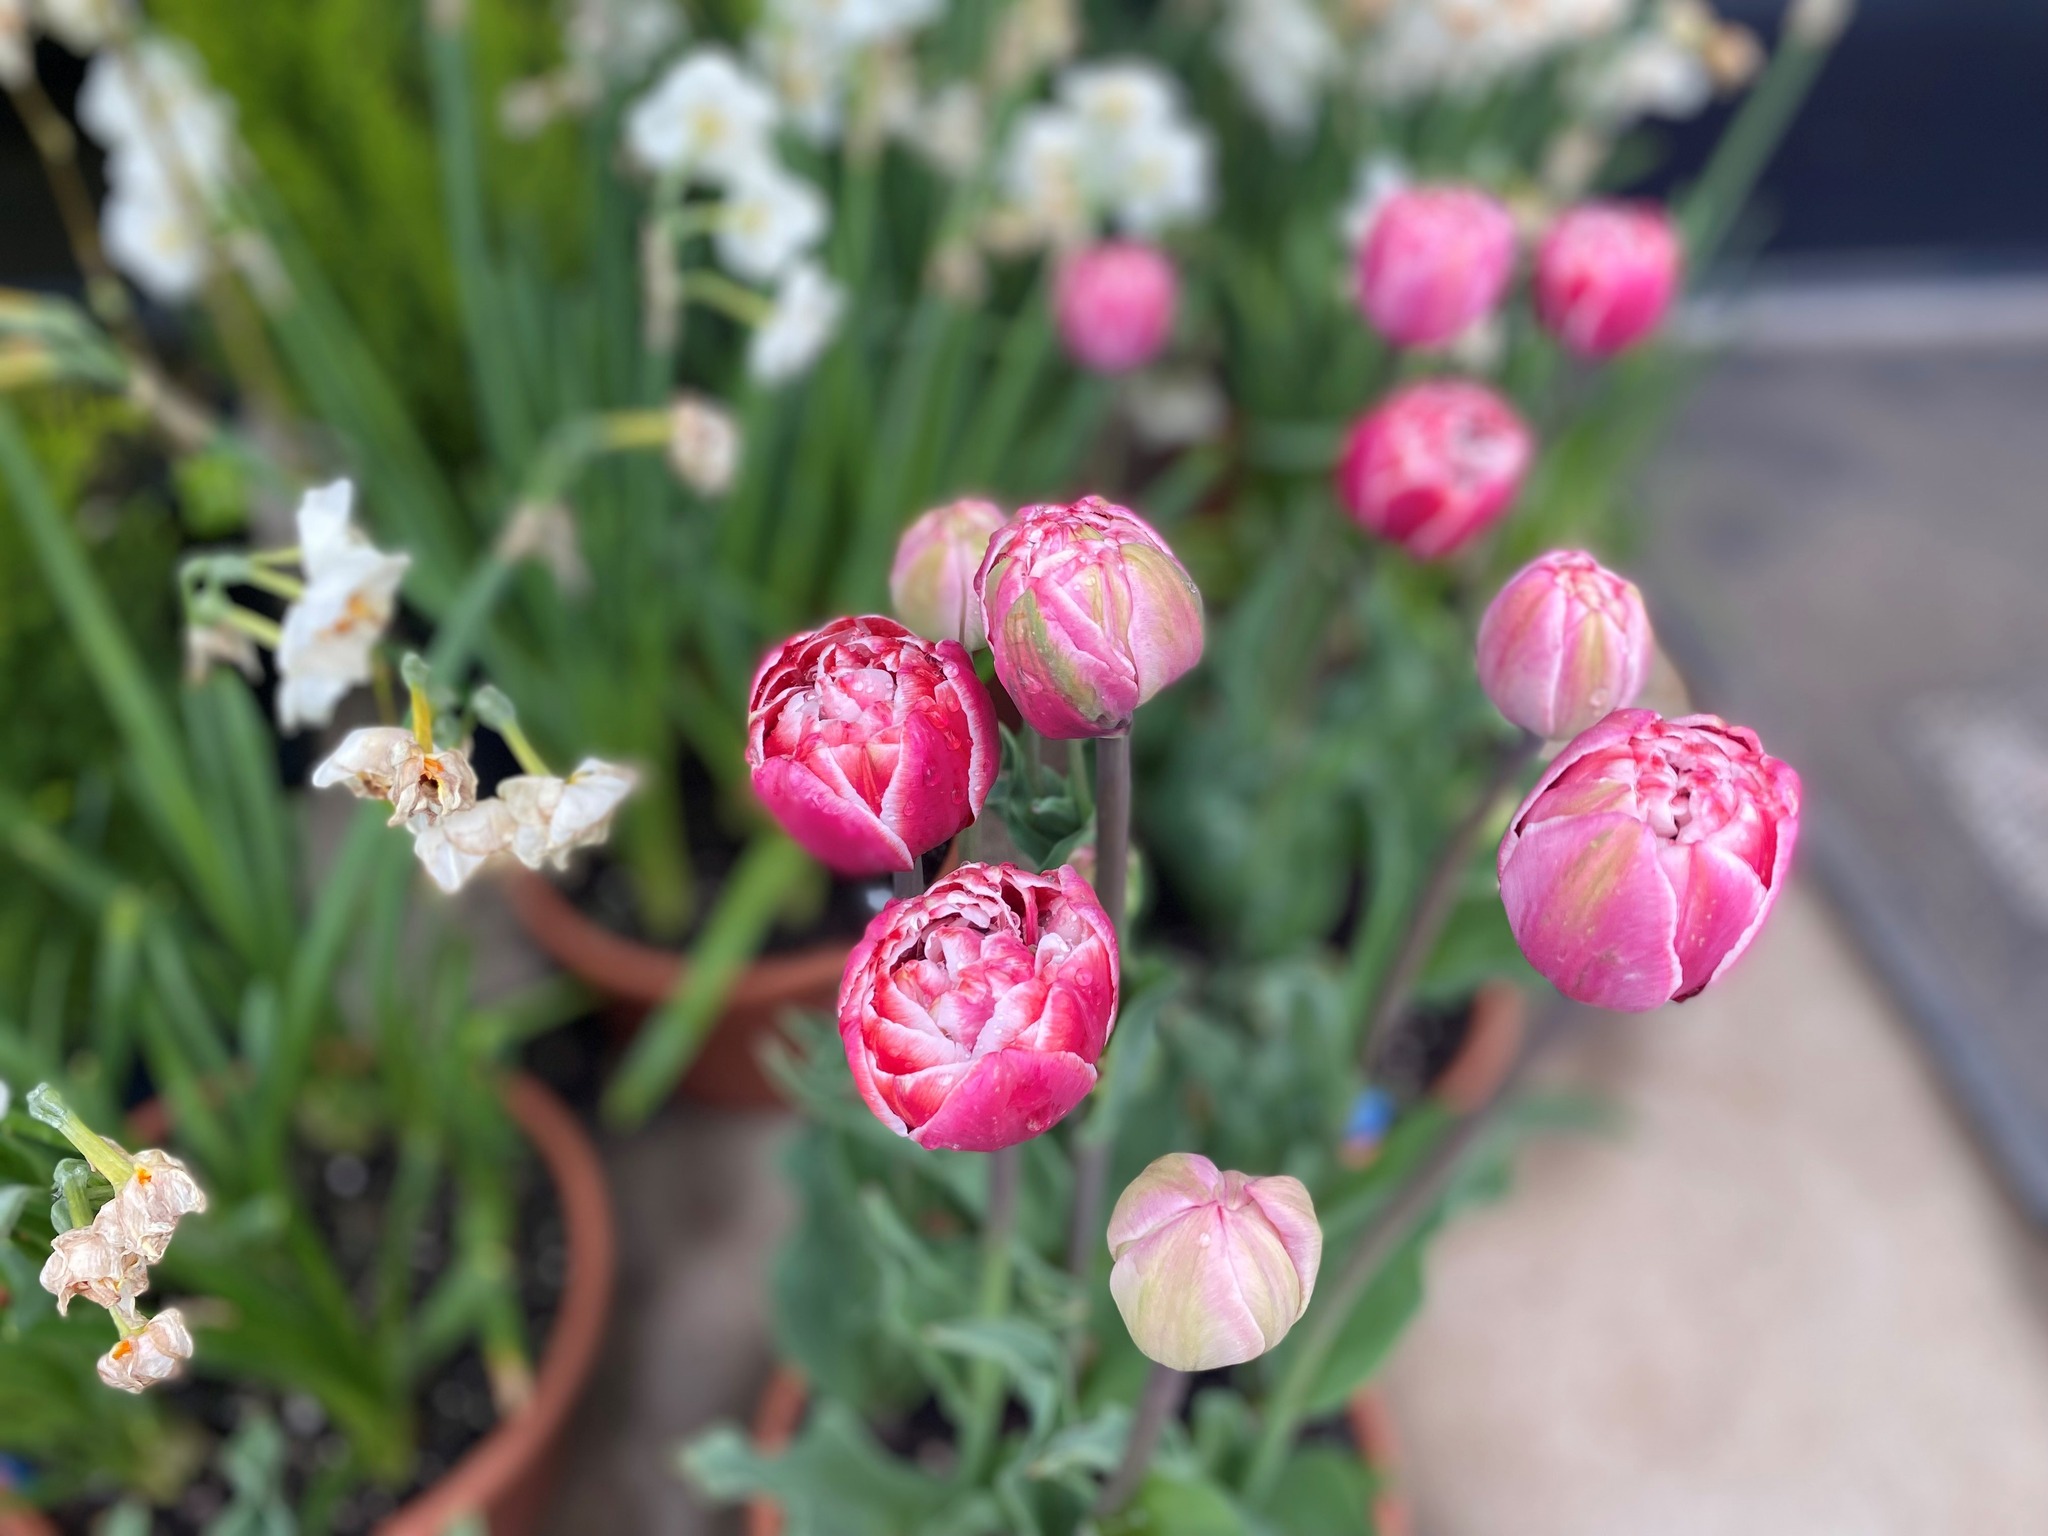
<point x="1439" y="896"/>
<point x="979" y="1434"/>
<point x="1092" y="1153"/>
<point x="1160" y="1401"/>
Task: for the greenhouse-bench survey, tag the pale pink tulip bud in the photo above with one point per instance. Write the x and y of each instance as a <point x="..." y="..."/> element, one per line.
<point x="1435" y="262"/>
<point x="1647" y="857"/>
<point x="932" y="582"/>
<point x="1434" y="465"/>
<point x="1211" y="1268"/>
<point x="1563" y="644"/>
<point x="1115" y="304"/>
<point x="1089" y="615"/>
<point x="1606" y="273"/>
<point x="973" y="1014"/>
<point x="870" y="745"/>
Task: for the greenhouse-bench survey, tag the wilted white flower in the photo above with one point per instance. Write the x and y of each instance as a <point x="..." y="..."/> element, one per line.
<point x="1281" y="53"/>
<point x="1379" y="178"/>
<point x="799" y="327"/>
<point x="454" y="847"/>
<point x="151" y="235"/>
<point x="155" y="1353"/>
<point x="554" y="817"/>
<point x="949" y="128"/>
<point x="1174" y="410"/>
<point x="546" y="531"/>
<point x="81" y="25"/>
<point x="703" y="445"/>
<point x="145" y="1212"/>
<point x="768" y="219"/>
<point x="93" y="1262"/>
<point x="329" y="633"/>
<point x="706" y="117"/>
<point x="620" y="40"/>
<point x="385" y="762"/>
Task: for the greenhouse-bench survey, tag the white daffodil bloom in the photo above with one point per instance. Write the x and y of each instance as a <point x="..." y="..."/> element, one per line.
<point x="151" y="109"/>
<point x="1120" y="101"/>
<point x="554" y="817"/>
<point x="93" y="1262"/>
<point x="768" y="219"/>
<point x="703" y="445"/>
<point x="799" y="328"/>
<point x="1652" y="74"/>
<point x="707" y="117"/>
<point x="1281" y="54"/>
<point x="1046" y="173"/>
<point x="807" y="71"/>
<point x="620" y="40"/>
<point x="155" y="1353"/>
<point x="17" y="44"/>
<point x="1379" y="178"/>
<point x="384" y="762"/>
<point x="153" y="238"/>
<point x="81" y="25"/>
<point x="329" y="633"/>
<point x="1164" y="179"/>
<point x="454" y="847"/>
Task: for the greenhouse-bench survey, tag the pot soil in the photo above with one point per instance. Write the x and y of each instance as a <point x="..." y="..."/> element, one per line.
<point x="780" y="1412"/>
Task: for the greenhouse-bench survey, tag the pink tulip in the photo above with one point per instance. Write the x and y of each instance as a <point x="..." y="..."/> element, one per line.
<point x="1115" y="304"/>
<point x="1211" y="1268"/>
<point x="1434" y="465"/>
<point x="1606" y="273"/>
<point x="932" y="582"/>
<point x="1435" y="262"/>
<point x="1088" y="614"/>
<point x="1647" y="857"/>
<point x="870" y="745"/>
<point x="973" y="1015"/>
<point x="1564" y="643"/>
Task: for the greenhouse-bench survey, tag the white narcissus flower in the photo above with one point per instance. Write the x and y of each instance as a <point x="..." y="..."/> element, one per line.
<point x="620" y="39"/>
<point x="1164" y="180"/>
<point x="799" y="327"/>
<point x="703" y="445"/>
<point x="769" y="218"/>
<point x="950" y="129"/>
<point x="1046" y="173"/>
<point x="808" y="73"/>
<point x="152" y="110"/>
<point x="152" y="237"/>
<point x="94" y="1263"/>
<point x="80" y="25"/>
<point x="1120" y="101"/>
<point x="1281" y="53"/>
<point x="555" y="817"/>
<point x="1653" y="74"/>
<point x="155" y="1353"/>
<point x="384" y="762"/>
<point x="707" y="117"/>
<point x="454" y="847"/>
<point x="329" y="633"/>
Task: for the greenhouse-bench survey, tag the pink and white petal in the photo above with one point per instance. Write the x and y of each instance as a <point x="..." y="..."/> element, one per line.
<point x="1593" y="912"/>
<point x="1007" y="1097"/>
<point x="833" y="828"/>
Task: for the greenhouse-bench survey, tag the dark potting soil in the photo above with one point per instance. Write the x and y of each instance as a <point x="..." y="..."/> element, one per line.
<point x="346" y="1196"/>
<point x="1421" y="1048"/>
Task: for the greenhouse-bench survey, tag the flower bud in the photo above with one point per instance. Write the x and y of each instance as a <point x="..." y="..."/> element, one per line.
<point x="1434" y="465"/>
<point x="1115" y="304"/>
<point x="1436" y="260"/>
<point x="870" y="745"/>
<point x="1089" y="615"/>
<point x="1211" y="1268"/>
<point x="1606" y="274"/>
<point x="931" y="585"/>
<point x="1563" y="644"/>
<point x="1647" y="857"/>
<point x="973" y="1014"/>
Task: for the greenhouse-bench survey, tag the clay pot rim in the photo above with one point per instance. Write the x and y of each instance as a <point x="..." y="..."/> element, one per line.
<point x="1493" y="1040"/>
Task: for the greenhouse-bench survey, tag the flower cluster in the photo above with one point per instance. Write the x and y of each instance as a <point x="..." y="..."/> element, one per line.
<point x="106" y="1259"/>
<point x="818" y="53"/>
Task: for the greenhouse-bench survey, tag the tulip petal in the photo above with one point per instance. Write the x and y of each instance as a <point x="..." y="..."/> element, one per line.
<point x="1722" y="902"/>
<point x="834" y="828"/>
<point x="1182" y="1298"/>
<point x="1591" y="908"/>
<point x="1168" y="1188"/>
<point x="1286" y="1205"/>
<point x="1007" y="1097"/>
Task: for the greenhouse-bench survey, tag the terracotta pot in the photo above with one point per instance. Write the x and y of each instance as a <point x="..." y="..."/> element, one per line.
<point x="781" y="1410"/>
<point x="510" y="1473"/>
<point x="16" y="1520"/>
<point x="1493" y="1039"/>
<point x="636" y="978"/>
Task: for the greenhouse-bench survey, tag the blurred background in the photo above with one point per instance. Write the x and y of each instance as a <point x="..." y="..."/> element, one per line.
<point x="1802" y="1290"/>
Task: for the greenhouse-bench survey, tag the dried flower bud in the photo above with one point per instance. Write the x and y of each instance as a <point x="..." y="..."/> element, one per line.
<point x="155" y="1353"/>
<point x="703" y="445"/>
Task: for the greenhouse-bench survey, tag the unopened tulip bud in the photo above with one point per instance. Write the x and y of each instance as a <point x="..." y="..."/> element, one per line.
<point x="1647" y="857"/>
<point x="1089" y="615"/>
<point x="1563" y="644"/>
<point x="1434" y="466"/>
<point x="931" y="585"/>
<point x="1436" y="261"/>
<point x="1211" y="1268"/>
<point x="870" y="745"/>
<point x="1606" y="274"/>
<point x="1115" y="304"/>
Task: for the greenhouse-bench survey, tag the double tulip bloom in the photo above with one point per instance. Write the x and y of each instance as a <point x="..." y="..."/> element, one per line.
<point x="1089" y="615"/>
<point x="1606" y="274"/>
<point x="1647" y="857"/>
<point x="870" y="745"/>
<point x="973" y="1014"/>
<point x="1115" y="304"/>
<point x="1434" y="466"/>
<point x="1434" y="263"/>
<point x="931" y="583"/>
<point x="1565" y="642"/>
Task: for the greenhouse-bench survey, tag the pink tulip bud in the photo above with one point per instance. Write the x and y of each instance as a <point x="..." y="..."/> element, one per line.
<point x="1435" y="262"/>
<point x="1605" y="275"/>
<point x="870" y="745"/>
<point x="973" y="1015"/>
<point x="1211" y="1268"/>
<point x="1115" y="304"/>
<point x="1647" y="857"/>
<point x="1434" y="465"/>
<point x="932" y="582"/>
<point x="1089" y="615"/>
<point x="1563" y="644"/>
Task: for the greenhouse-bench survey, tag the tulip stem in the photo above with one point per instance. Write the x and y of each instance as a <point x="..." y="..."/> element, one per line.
<point x="1093" y="1153"/>
<point x="1164" y="1390"/>
<point x="999" y="1229"/>
<point x="1439" y="896"/>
